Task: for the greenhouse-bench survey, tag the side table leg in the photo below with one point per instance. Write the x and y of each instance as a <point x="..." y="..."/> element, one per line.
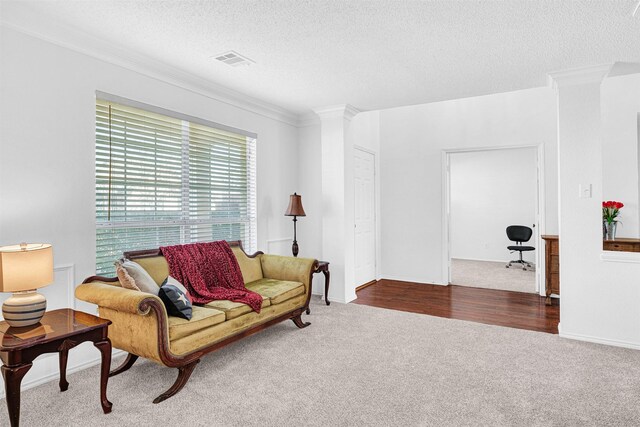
<point x="12" y="380"/>
<point x="327" y="277"/>
<point x="64" y="384"/>
<point x="105" y="350"/>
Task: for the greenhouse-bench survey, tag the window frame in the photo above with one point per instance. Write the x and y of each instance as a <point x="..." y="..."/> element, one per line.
<point x="186" y="222"/>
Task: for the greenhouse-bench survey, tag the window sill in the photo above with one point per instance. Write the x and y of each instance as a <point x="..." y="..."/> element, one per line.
<point x="616" y="256"/>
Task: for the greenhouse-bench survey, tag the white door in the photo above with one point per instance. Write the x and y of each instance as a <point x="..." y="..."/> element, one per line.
<point x="365" y="224"/>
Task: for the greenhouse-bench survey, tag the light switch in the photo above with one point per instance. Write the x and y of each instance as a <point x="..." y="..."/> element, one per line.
<point x="585" y="191"/>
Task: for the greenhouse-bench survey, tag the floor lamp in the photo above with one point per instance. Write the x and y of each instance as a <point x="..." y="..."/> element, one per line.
<point x="295" y="210"/>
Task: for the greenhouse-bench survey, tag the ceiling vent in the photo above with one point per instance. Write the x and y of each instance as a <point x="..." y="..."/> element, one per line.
<point x="234" y="59"/>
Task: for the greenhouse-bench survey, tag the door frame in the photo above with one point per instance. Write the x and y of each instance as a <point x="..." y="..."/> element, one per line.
<point x="446" y="209"/>
<point x="376" y="210"/>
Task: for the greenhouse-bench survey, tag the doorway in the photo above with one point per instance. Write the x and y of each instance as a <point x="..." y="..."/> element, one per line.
<point x="487" y="191"/>
<point x="364" y="217"/>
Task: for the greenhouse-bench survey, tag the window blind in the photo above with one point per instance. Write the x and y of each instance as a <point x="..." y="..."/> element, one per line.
<point x="164" y="180"/>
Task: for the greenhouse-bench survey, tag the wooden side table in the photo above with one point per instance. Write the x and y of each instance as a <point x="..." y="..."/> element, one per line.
<point x="58" y="332"/>
<point x="323" y="266"/>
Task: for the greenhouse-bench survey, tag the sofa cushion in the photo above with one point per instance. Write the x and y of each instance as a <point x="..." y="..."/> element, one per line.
<point x="234" y="309"/>
<point x="276" y="290"/>
<point x="201" y="318"/>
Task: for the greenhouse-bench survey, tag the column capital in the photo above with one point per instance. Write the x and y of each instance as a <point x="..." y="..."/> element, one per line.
<point x="578" y="76"/>
<point x="345" y="111"/>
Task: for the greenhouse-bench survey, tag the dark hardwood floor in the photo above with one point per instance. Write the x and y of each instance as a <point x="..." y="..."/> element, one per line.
<point x="493" y="307"/>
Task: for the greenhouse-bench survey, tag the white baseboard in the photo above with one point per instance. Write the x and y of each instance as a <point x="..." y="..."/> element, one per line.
<point x="413" y="280"/>
<point x="333" y="299"/>
<point x="489" y="260"/>
<point x="56" y="375"/>
<point x="598" y="340"/>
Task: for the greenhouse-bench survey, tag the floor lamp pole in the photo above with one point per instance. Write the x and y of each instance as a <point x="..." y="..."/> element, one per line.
<point x="294" y="247"/>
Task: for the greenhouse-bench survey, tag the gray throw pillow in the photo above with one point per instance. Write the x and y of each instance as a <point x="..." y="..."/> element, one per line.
<point x="142" y="279"/>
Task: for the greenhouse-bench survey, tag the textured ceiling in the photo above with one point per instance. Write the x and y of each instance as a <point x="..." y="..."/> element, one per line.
<point x="371" y="54"/>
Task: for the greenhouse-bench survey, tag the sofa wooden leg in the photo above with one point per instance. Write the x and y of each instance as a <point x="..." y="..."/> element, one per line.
<point x="128" y="363"/>
<point x="184" y="372"/>
<point x="298" y="321"/>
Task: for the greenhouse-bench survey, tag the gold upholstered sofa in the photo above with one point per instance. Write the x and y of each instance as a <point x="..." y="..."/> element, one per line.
<point x="141" y="326"/>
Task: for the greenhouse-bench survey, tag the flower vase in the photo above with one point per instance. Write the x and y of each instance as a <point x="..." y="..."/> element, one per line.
<point x="611" y="230"/>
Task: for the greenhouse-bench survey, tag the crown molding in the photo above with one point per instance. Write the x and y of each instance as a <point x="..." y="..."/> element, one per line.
<point x="308" y="119"/>
<point x="345" y="111"/>
<point x="578" y="76"/>
<point x="36" y="25"/>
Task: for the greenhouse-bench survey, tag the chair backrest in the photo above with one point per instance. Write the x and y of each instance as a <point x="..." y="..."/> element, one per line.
<point x="519" y="233"/>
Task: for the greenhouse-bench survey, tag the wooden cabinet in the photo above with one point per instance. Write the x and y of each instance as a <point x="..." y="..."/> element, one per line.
<point x="552" y="267"/>
<point x="552" y="259"/>
<point x="622" y="244"/>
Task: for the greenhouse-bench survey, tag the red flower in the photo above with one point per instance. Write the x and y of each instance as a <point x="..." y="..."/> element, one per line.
<point x="611" y="210"/>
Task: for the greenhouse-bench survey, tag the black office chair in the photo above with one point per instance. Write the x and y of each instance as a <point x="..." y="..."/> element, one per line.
<point x="519" y="234"/>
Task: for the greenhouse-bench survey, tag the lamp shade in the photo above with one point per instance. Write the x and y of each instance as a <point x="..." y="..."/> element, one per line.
<point x="25" y="267"/>
<point x="295" y="206"/>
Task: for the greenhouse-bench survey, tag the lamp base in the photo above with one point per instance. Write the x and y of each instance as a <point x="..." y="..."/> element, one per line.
<point x="24" y="308"/>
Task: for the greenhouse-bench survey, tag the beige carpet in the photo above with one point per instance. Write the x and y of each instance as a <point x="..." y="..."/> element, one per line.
<point x="359" y="365"/>
<point x="492" y="275"/>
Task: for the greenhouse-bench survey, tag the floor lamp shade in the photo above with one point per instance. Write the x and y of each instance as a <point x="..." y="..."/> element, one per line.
<point x="23" y="269"/>
<point x="295" y="206"/>
<point x="295" y="210"/>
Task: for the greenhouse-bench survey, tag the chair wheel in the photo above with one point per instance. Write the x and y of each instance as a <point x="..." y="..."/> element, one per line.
<point x="524" y="269"/>
<point x="506" y="266"/>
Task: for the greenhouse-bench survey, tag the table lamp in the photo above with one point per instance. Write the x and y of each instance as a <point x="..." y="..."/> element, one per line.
<point x="295" y="210"/>
<point x="23" y="269"/>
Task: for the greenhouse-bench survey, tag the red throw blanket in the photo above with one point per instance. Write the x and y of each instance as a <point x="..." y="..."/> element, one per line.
<point x="210" y="271"/>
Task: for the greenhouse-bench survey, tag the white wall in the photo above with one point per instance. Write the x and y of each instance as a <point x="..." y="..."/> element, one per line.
<point x="490" y="190"/>
<point x="411" y="143"/>
<point x="310" y="187"/>
<point x="600" y="292"/>
<point x="47" y="156"/>
<point x="620" y="152"/>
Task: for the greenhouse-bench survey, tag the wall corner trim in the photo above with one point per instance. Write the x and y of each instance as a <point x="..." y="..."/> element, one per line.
<point x="578" y="76"/>
<point x="343" y="110"/>
<point x="308" y="119"/>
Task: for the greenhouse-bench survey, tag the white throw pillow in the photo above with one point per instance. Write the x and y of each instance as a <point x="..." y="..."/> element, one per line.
<point x="141" y="277"/>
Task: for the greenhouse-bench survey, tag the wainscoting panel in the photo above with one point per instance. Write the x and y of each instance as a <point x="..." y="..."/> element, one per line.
<point x="280" y="246"/>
